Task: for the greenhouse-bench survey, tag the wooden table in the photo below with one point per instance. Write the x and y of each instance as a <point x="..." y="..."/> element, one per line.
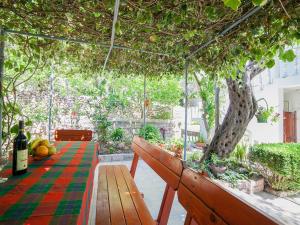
<point x="56" y="190"/>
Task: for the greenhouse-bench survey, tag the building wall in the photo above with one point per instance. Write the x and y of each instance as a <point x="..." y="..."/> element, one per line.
<point x="271" y="85"/>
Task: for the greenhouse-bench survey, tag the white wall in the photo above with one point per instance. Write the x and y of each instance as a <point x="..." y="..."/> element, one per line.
<point x="267" y="132"/>
<point x="271" y="85"/>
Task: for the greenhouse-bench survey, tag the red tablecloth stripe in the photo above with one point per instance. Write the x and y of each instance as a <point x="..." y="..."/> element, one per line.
<point x="53" y="205"/>
<point x="15" y="194"/>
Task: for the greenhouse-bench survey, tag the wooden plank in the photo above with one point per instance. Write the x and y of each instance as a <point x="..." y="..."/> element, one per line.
<point x="141" y="208"/>
<point x="197" y="209"/>
<point x="73" y="135"/>
<point x="221" y="201"/>
<point x="168" y="160"/>
<point x="116" y="210"/>
<point x="166" y="205"/>
<point x="130" y="213"/>
<point x="134" y="164"/>
<point x="188" y="219"/>
<point x="164" y="172"/>
<point x="102" y="203"/>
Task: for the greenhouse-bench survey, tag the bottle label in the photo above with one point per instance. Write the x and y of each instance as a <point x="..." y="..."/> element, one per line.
<point x="22" y="159"/>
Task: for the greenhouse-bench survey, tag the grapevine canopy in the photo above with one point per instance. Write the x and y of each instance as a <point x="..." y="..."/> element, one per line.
<point x="174" y="28"/>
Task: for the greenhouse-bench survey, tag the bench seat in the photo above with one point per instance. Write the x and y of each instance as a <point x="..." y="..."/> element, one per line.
<point x="119" y="201"/>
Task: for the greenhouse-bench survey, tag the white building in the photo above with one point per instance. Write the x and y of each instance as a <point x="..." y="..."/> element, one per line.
<point x="280" y="86"/>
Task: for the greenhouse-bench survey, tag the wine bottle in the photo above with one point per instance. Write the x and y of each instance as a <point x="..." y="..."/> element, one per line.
<point x="20" y="152"/>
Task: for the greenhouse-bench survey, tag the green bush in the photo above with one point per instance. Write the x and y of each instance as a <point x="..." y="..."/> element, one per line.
<point x="117" y="134"/>
<point x="282" y="162"/>
<point x="150" y="133"/>
<point x="164" y="115"/>
<point x="240" y="153"/>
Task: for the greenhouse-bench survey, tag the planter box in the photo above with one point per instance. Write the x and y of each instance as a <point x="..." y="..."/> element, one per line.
<point x="281" y="194"/>
<point x="247" y="186"/>
<point x="116" y="157"/>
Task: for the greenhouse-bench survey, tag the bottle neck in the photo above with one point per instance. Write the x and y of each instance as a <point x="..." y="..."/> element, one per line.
<point x="21" y="127"/>
<point x="21" y="131"/>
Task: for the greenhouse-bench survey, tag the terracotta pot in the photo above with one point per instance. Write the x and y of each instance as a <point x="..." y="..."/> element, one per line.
<point x="178" y="152"/>
<point x="161" y="145"/>
<point x="200" y="144"/>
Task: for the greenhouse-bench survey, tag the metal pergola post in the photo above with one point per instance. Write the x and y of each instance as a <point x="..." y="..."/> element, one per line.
<point x="50" y="102"/>
<point x="113" y="31"/>
<point x="145" y="97"/>
<point x="2" y="44"/>
<point x="185" y="106"/>
<point x="83" y="41"/>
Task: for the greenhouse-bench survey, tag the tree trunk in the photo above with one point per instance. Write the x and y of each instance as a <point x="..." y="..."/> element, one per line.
<point x="204" y="118"/>
<point x="242" y="108"/>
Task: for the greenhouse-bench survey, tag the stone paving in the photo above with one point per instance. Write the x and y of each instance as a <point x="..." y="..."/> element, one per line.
<point x="285" y="210"/>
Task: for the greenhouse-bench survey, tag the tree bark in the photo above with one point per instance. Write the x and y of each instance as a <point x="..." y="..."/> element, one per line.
<point x="242" y="108"/>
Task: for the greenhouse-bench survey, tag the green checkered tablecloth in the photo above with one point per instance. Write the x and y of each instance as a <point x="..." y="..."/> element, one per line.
<point x="56" y="190"/>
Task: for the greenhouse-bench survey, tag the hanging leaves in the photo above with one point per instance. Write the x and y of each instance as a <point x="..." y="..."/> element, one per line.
<point x="233" y="4"/>
<point x="287" y="56"/>
<point x="259" y="2"/>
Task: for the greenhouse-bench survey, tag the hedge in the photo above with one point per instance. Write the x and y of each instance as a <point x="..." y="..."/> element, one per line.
<point x="283" y="160"/>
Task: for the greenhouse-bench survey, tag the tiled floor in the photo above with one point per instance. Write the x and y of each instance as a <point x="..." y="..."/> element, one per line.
<point x="285" y="210"/>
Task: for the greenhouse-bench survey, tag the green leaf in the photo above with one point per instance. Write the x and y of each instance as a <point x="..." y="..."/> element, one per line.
<point x="28" y="123"/>
<point x="14" y="129"/>
<point x="287" y="56"/>
<point x="233" y="4"/>
<point x="28" y="135"/>
<point x="211" y="13"/>
<point x="118" y="28"/>
<point x="270" y="63"/>
<point x="97" y="14"/>
<point x="259" y="2"/>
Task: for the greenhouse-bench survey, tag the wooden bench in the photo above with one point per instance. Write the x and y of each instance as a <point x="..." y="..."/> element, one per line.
<point x="73" y="135"/>
<point x="119" y="201"/>
<point x="207" y="203"/>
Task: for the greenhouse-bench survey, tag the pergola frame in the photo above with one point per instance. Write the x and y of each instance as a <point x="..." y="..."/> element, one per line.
<point x="186" y="59"/>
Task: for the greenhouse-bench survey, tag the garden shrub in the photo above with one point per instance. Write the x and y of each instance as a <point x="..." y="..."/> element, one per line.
<point x="117" y="134"/>
<point x="164" y="115"/>
<point x="150" y="133"/>
<point x="279" y="164"/>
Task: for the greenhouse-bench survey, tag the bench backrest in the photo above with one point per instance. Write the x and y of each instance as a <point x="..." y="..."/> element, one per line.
<point x="73" y="135"/>
<point x="167" y="166"/>
<point x="208" y="203"/>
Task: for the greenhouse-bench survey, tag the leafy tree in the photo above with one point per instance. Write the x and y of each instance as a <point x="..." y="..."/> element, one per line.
<point x="206" y="87"/>
<point x="171" y="29"/>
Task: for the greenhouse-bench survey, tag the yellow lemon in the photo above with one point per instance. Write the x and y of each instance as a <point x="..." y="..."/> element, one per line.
<point x="51" y="150"/>
<point x="42" y="151"/>
<point x="35" y="143"/>
<point x="45" y="143"/>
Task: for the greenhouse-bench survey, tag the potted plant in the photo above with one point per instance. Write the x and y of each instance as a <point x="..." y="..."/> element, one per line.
<point x="177" y="147"/>
<point x="200" y="142"/>
<point x="150" y="133"/>
<point x="263" y="114"/>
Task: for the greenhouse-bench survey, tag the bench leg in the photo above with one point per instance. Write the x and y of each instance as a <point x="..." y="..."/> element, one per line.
<point x="134" y="164"/>
<point x="165" y="207"/>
